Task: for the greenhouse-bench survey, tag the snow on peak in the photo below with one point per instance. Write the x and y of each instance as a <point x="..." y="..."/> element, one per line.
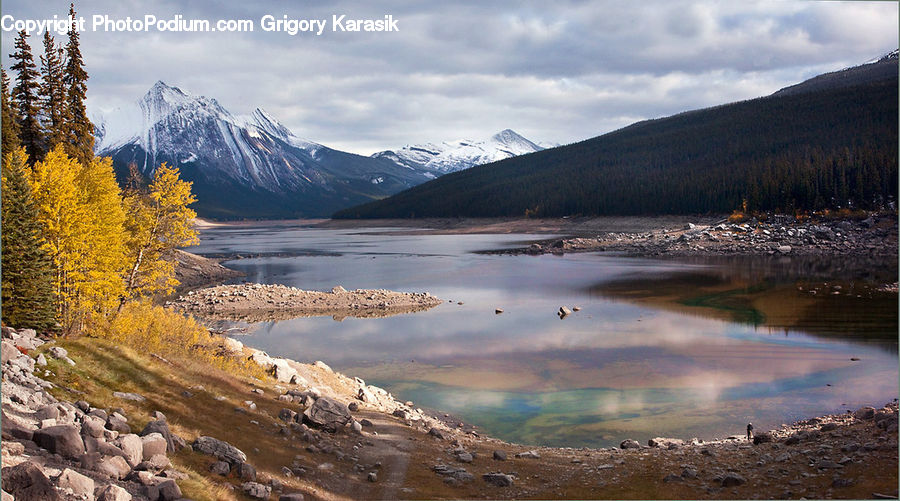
<point x="450" y="156"/>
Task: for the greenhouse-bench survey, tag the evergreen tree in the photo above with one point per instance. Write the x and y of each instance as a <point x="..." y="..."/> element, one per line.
<point x="80" y="129"/>
<point x="53" y="93"/>
<point x="9" y="119"/>
<point x="25" y="99"/>
<point x="27" y="278"/>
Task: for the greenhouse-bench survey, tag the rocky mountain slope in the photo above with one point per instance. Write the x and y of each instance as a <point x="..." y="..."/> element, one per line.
<point x="243" y="166"/>
<point x="452" y="156"/>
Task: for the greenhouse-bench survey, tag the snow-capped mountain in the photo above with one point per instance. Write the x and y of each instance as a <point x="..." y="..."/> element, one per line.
<point x="243" y="166"/>
<point x="457" y="155"/>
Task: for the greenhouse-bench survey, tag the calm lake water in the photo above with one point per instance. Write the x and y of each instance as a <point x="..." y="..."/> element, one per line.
<point x="682" y="349"/>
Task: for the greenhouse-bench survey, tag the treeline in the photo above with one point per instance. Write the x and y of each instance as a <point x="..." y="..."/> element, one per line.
<point x="826" y="149"/>
<point x="75" y="246"/>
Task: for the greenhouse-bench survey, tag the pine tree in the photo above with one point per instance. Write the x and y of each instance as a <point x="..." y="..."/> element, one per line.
<point x="25" y="99"/>
<point x="53" y="93"/>
<point x="9" y="119"/>
<point x="80" y="129"/>
<point x="27" y="278"/>
<point x="158" y="222"/>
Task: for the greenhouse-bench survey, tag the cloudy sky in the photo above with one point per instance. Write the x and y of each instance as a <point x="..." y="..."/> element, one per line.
<point x="555" y="72"/>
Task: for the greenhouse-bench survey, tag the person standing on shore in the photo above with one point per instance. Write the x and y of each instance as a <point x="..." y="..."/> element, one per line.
<point x="749" y="431"/>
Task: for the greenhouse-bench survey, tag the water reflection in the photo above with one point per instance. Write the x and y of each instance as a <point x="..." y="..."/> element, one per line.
<point x="686" y="348"/>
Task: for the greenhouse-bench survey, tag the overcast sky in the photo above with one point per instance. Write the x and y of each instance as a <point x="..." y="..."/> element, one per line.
<point x="555" y="72"/>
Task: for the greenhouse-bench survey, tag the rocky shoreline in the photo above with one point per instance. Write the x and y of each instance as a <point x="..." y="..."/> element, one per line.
<point x="345" y="438"/>
<point x="875" y="235"/>
<point x="260" y="302"/>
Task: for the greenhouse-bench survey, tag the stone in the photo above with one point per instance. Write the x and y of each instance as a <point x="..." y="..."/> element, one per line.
<point x="328" y="414"/>
<point x="92" y="426"/>
<point x="665" y="443"/>
<point x="287" y="415"/>
<point x="367" y="396"/>
<point x="133" y="448"/>
<point x="161" y="427"/>
<point x="283" y="371"/>
<point x="784" y="249"/>
<point x="762" y="438"/>
<point x="220" y="468"/>
<point x="27" y="482"/>
<point x="464" y="457"/>
<point x="337" y="289"/>
<point x="256" y="490"/>
<point x="293" y="496"/>
<point x="356" y="426"/>
<point x="829" y="427"/>
<point x="671" y="477"/>
<point x="529" y="455"/>
<point x="80" y="484"/>
<point x="129" y="396"/>
<point x="62" y="439"/>
<point x="498" y="479"/>
<point x="8" y="351"/>
<point x="58" y="352"/>
<point x="246" y="472"/>
<point x="168" y="490"/>
<point x="563" y="312"/>
<point x="117" y="422"/>
<point x="865" y="413"/>
<point x="732" y="480"/>
<point x="322" y="365"/>
<point x="500" y="455"/>
<point x="153" y="444"/>
<point x="113" y="492"/>
<point x="353" y="406"/>
<point x="47" y="412"/>
<point x="41" y="360"/>
<point x="372" y="477"/>
<point x="220" y="449"/>
<point x="630" y="444"/>
<point x="113" y="466"/>
<point x="434" y="432"/>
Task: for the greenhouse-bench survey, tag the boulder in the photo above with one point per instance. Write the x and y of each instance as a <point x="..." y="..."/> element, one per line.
<point x="62" y="439"/>
<point x="58" y="352"/>
<point x="322" y="365"/>
<point x="367" y="396"/>
<point x="732" y="480"/>
<point x="630" y="444"/>
<point x="287" y="415"/>
<point x="529" y="455"/>
<point x="8" y="351"/>
<point x="133" y="448"/>
<point x="27" y="482"/>
<point x="129" y="396"/>
<point x="283" y="371"/>
<point x="220" y="449"/>
<point x="168" y="490"/>
<point x="220" y="468"/>
<point x="865" y="413"/>
<point x="500" y="455"/>
<point x="665" y="443"/>
<point x="80" y="484"/>
<point x="161" y="427"/>
<point x="293" y="496"/>
<point x="153" y="444"/>
<point x="117" y="422"/>
<point x="762" y="438"/>
<point x="498" y="479"/>
<point x="256" y="491"/>
<point x="113" y="492"/>
<point x="328" y="414"/>
<point x="262" y="358"/>
<point x="156" y="463"/>
<point x="92" y="426"/>
<point x="246" y="472"/>
<point x="563" y="312"/>
<point x="112" y="466"/>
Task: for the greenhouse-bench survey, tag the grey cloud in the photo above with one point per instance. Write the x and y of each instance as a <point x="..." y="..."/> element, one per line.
<point x="557" y="72"/>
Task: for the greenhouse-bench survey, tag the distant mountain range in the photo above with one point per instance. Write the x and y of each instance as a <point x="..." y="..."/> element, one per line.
<point x="827" y="143"/>
<point x="255" y="167"/>
<point x="459" y="155"/>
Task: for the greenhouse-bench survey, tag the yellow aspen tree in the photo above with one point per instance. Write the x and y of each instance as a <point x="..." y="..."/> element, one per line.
<point x="103" y="249"/>
<point x="81" y="211"/>
<point x="56" y="198"/>
<point x="158" y="222"/>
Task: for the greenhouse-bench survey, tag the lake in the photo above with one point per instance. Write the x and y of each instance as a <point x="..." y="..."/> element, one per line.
<point x="679" y="348"/>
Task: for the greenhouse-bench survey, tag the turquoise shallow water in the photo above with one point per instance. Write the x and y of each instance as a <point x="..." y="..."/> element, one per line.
<point x="617" y="368"/>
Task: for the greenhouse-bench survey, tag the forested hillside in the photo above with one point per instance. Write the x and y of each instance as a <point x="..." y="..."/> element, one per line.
<point x="828" y="147"/>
